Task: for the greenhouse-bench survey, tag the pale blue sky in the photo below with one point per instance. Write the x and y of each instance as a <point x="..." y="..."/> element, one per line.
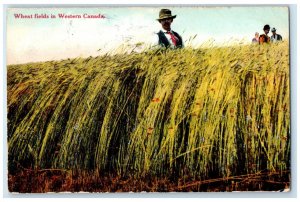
<point x="47" y="39"/>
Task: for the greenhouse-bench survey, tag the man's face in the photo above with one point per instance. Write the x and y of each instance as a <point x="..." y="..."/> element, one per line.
<point x="267" y="31"/>
<point x="166" y="23"/>
<point x="274" y="32"/>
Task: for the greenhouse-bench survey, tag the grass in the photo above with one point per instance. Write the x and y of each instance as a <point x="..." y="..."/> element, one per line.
<point x="201" y="114"/>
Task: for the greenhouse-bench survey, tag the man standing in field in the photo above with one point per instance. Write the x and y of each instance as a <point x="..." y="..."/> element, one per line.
<point x="166" y="36"/>
<point x="275" y="37"/>
<point x="264" y="38"/>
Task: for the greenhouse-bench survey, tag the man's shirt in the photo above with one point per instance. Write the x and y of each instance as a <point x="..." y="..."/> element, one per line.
<point x="263" y="38"/>
<point x="169" y="38"/>
<point x="275" y="38"/>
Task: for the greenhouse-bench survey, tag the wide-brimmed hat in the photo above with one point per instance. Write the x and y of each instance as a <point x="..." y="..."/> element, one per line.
<point x="165" y="14"/>
<point x="266" y="27"/>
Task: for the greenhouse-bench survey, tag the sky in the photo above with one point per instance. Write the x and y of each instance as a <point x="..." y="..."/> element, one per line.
<point x="37" y="39"/>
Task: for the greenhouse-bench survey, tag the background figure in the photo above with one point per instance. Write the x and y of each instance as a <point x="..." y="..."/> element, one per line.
<point x="275" y="37"/>
<point x="264" y="38"/>
<point x="166" y="36"/>
<point x="256" y="38"/>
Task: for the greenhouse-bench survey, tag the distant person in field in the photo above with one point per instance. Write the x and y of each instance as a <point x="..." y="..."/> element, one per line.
<point x="264" y="38"/>
<point x="275" y="37"/>
<point x="256" y="38"/>
<point x="166" y="36"/>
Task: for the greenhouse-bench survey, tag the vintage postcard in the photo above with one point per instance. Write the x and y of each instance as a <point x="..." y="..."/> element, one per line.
<point x="148" y="99"/>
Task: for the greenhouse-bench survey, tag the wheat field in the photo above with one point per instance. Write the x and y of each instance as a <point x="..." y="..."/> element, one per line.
<point x="195" y="113"/>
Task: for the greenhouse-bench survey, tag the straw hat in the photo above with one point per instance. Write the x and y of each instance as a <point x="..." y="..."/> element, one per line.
<point x="165" y="13"/>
